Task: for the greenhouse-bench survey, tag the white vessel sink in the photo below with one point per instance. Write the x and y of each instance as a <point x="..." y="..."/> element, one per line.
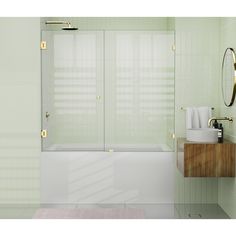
<point x="206" y="135"/>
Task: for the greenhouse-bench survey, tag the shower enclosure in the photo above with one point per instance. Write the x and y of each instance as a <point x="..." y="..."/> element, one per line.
<point x="107" y="90"/>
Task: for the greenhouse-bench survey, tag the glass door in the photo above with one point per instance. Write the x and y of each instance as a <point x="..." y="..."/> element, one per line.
<point x="139" y="72"/>
<point x="72" y="90"/>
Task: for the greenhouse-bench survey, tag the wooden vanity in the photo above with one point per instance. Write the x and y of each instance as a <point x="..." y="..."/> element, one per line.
<point x="206" y="159"/>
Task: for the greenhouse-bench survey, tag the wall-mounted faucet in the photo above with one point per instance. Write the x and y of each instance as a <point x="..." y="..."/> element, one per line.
<point x="219" y="118"/>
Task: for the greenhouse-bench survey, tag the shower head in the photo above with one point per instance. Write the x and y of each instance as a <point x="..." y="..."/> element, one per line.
<point x="67" y="27"/>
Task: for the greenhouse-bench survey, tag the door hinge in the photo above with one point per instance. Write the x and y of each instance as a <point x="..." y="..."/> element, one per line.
<point x="44" y="133"/>
<point x="173" y="47"/>
<point x="43" y="45"/>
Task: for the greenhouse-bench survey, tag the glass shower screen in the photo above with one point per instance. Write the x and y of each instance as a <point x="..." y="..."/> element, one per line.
<point x="72" y="90"/>
<point x="139" y="72"/>
<point x="108" y="90"/>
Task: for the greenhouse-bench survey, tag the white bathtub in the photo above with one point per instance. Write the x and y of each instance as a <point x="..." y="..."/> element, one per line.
<point x="107" y="177"/>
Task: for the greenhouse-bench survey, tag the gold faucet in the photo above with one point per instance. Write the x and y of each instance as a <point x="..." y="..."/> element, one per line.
<point x="219" y="118"/>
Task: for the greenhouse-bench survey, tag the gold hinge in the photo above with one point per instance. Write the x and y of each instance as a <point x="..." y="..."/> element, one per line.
<point x="173" y="47"/>
<point x="44" y="133"/>
<point x="43" y="45"/>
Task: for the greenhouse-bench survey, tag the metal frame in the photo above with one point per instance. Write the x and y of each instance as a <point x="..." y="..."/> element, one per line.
<point x="234" y="77"/>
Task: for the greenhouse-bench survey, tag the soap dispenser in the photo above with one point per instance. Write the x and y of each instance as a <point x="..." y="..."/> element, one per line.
<point x="215" y="124"/>
<point x="220" y="133"/>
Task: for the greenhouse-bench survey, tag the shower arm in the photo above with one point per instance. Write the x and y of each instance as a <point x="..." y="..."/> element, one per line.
<point x="52" y="22"/>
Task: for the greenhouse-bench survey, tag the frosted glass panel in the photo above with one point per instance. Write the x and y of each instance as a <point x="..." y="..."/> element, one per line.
<point x="72" y="85"/>
<point x="139" y="91"/>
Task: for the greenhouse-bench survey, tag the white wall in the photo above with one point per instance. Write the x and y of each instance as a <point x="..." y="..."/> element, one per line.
<point x="227" y="186"/>
<point x="196" y="84"/>
<point x="20" y="110"/>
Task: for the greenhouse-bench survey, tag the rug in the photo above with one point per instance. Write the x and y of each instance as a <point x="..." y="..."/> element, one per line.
<point x="108" y="213"/>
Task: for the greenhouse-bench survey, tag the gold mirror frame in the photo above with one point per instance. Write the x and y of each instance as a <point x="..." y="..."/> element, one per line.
<point x="234" y="77"/>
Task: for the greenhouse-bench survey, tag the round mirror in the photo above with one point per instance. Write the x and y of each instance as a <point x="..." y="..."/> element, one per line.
<point x="229" y="77"/>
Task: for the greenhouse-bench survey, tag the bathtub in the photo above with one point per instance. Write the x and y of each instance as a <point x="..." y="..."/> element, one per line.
<point x="98" y="177"/>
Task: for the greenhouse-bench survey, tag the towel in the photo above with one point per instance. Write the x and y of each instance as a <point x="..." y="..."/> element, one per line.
<point x="192" y="118"/>
<point x="197" y="117"/>
<point x="205" y="113"/>
<point x="189" y="114"/>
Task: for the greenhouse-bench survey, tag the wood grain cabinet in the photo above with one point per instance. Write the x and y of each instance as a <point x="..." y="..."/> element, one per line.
<point x="206" y="159"/>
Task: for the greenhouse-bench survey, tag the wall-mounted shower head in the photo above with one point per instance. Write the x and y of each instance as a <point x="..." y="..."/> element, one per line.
<point x="67" y="27"/>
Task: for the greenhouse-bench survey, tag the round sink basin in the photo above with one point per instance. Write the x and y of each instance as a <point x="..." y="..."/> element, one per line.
<point x="205" y="135"/>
